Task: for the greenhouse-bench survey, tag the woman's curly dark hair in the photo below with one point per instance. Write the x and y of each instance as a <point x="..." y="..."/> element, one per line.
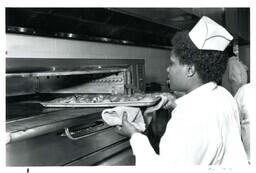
<point x="209" y="64"/>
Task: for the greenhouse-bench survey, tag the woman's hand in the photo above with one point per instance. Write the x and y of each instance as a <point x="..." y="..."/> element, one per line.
<point x="170" y="104"/>
<point x="127" y="129"/>
<point x="167" y="102"/>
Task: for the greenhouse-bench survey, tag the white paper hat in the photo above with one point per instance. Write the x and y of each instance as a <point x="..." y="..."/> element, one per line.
<point x="209" y="35"/>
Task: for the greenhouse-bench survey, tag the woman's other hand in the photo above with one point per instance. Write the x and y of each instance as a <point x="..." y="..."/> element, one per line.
<point x="167" y="102"/>
<point x="170" y="104"/>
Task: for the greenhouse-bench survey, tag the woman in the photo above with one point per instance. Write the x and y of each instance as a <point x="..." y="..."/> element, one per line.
<point x="236" y="72"/>
<point x="204" y="128"/>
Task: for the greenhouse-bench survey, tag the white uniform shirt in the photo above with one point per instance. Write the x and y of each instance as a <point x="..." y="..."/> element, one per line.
<point x="204" y="129"/>
<point x="244" y="98"/>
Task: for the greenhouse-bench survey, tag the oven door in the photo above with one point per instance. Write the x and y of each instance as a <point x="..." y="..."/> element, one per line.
<point x="94" y="144"/>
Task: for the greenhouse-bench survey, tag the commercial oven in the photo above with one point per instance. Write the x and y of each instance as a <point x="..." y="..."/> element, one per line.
<point x="41" y="136"/>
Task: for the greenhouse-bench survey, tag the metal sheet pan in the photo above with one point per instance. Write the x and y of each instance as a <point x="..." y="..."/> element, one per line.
<point x="148" y="101"/>
<point x="113" y="104"/>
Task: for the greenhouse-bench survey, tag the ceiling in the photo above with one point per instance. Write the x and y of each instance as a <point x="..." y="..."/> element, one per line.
<point x="179" y="18"/>
<point x="152" y="27"/>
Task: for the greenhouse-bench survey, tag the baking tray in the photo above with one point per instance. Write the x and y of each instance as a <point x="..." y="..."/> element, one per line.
<point x="146" y="101"/>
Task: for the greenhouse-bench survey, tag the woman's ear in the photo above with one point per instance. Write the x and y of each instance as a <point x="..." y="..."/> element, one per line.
<point x="191" y="70"/>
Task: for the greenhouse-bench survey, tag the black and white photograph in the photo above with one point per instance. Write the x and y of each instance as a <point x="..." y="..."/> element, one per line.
<point x="127" y="86"/>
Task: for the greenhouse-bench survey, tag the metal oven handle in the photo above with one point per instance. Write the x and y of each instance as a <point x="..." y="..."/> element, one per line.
<point x="69" y="135"/>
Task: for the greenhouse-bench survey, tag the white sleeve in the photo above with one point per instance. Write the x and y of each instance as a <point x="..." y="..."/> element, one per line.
<point x="190" y="138"/>
<point x="181" y="146"/>
<point x="239" y="97"/>
<point x="143" y="150"/>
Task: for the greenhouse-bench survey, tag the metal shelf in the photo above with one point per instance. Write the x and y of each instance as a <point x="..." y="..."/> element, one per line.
<point x="65" y="73"/>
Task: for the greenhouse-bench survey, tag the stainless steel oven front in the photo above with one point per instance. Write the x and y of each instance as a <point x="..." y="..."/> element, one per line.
<point x="40" y="136"/>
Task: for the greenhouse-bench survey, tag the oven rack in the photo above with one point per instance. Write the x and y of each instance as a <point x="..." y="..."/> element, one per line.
<point x="66" y="73"/>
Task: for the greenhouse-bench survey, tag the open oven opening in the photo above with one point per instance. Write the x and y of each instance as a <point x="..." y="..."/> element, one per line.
<point x="69" y="135"/>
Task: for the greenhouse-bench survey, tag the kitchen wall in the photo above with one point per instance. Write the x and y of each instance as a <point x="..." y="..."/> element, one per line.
<point x="156" y="60"/>
<point x="23" y="46"/>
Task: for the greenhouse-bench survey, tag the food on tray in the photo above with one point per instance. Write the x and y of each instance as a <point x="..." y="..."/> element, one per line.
<point x="104" y="99"/>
